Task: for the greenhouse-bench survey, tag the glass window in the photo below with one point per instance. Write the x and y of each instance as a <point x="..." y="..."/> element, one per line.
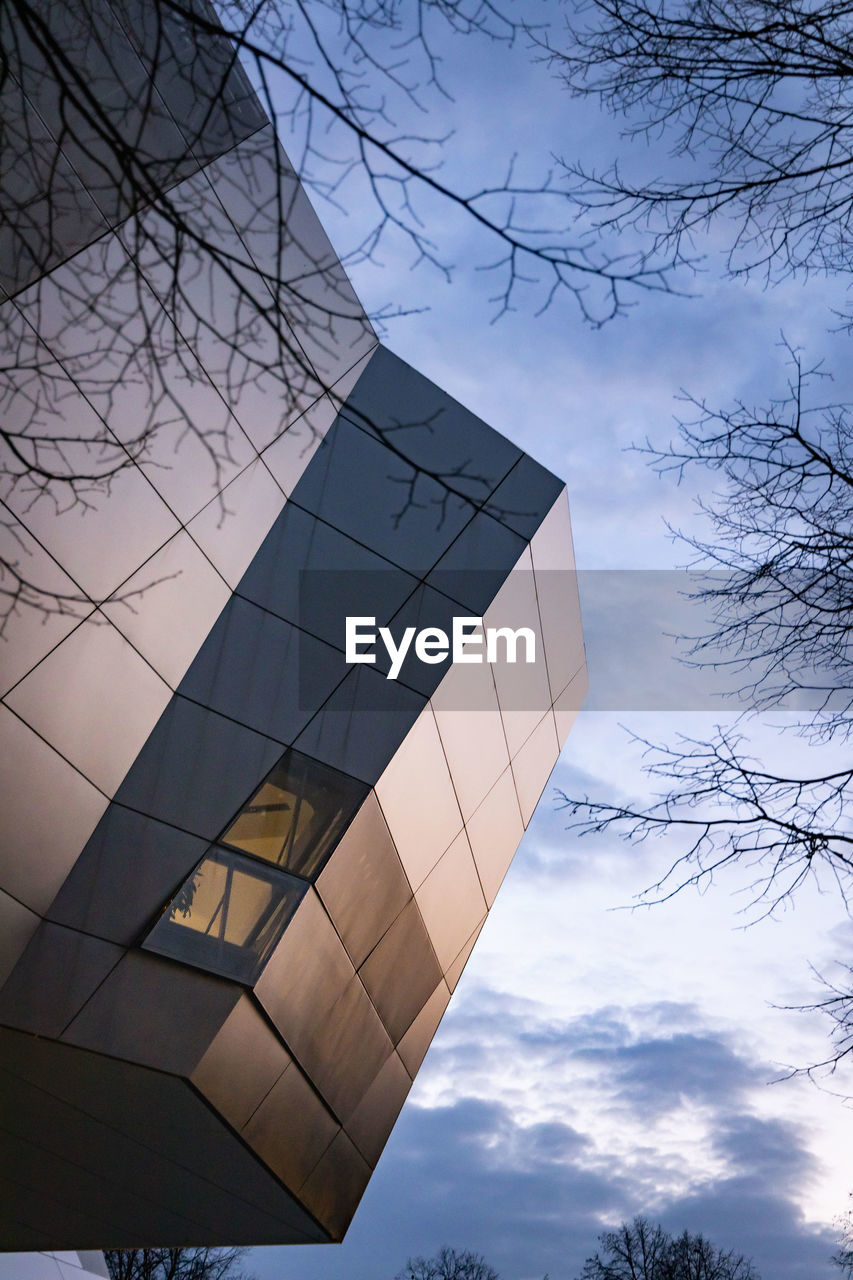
<point x="297" y="816"/>
<point x="228" y="916"/>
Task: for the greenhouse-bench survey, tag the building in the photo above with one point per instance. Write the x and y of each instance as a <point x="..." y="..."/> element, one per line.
<point x="53" y="1266"/>
<point x="241" y="872"/>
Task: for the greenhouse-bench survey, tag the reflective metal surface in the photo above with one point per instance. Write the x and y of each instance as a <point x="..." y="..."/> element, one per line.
<point x="523" y="690"/>
<point x="412" y="1048"/>
<point x="495" y="830"/>
<point x="363" y="886"/>
<point x="432" y="431"/>
<point x="238" y="968"/>
<point x="231" y="528"/>
<point x="196" y="769"/>
<point x="401" y="972"/>
<point x="532" y="765"/>
<point x="454" y="972"/>
<point x="451" y="901"/>
<point x="49" y="811"/>
<point x="181" y="595"/>
<point x="291" y="1128"/>
<point x="559" y="606"/>
<point x="136" y="1013"/>
<point x="17" y="926"/>
<point x="398" y="510"/>
<point x="95" y="899"/>
<point x="371" y="1123"/>
<point x="62" y="699"/>
<point x="337" y="1184"/>
<point x="243" y="1062"/>
<point x="523" y="497"/>
<point x="418" y="800"/>
<point x="471" y="730"/>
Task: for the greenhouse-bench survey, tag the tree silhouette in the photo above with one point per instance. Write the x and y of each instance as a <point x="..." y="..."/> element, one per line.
<point x="640" y="1251"/>
<point x="175" y="1264"/>
<point x="448" y="1264"/>
<point x="753" y="98"/>
<point x="844" y="1258"/>
<point x="752" y="101"/>
<point x="158" y="258"/>
<point x="779" y="587"/>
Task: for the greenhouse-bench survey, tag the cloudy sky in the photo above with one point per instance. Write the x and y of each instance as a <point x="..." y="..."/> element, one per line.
<point x="598" y="1062"/>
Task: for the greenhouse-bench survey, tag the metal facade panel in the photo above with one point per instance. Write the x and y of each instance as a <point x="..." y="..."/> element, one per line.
<point x="321" y="477"/>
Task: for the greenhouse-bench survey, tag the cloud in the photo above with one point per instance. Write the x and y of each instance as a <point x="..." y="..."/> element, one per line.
<point x="528" y="1135"/>
<point x="658" y="1074"/>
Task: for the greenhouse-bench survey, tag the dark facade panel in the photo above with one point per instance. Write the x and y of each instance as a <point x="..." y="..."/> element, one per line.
<point x="126" y="847"/>
<point x="78" y="1127"/>
<point x="196" y="769"/>
<point x="28" y="1237"/>
<point x="73" y="181"/>
<point x="426" y="607"/>
<point x="429" y="429"/>
<point x="47" y="212"/>
<point x="263" y="672"/>
<point x="369" y="493"/>
<point x="361" y="726"/>
<point x="475" y="565"/>
<point x="299" y="546"/>
<point x="128" y="1100"/>
<point x="54" y="978"/>
<point x="204" y="88"/>
<point x="154" y="1012"/>
<point x="93" y="1201"/>
<point x="522" y="500"/>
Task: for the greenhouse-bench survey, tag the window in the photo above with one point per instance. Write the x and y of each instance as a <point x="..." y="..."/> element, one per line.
<point x="297" y="816"/>
<point x="229" y="914"/>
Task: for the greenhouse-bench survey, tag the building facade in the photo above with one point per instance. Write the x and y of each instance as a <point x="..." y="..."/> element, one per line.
<point x="68" y="1265"/>
<point x="241" y="871"/>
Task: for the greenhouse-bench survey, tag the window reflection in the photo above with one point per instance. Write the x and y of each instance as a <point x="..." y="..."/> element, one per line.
<point x="228" y="915"/>
<point x="298" y="815"/>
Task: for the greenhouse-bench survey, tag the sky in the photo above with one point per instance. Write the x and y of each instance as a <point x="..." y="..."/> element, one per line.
<point x="598" y="1061"/>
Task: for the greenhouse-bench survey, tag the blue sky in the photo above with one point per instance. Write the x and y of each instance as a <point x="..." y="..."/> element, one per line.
<point x="597" y="1063"/>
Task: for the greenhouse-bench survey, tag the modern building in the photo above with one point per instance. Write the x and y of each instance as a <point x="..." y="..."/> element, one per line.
<point x="68" y="1265"/>
<point x="241" y="872"/>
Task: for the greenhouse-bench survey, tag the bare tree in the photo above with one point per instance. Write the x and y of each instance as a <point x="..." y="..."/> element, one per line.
<point x="449" y="1264"/>
<point x="641" y="1251"/>
<point x="113" y="113"/>
<point x="753" y="98"/>
<point x="175" y="1264"/>
<point x="844" y="1258"/>
<point x="778" y="565"/>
